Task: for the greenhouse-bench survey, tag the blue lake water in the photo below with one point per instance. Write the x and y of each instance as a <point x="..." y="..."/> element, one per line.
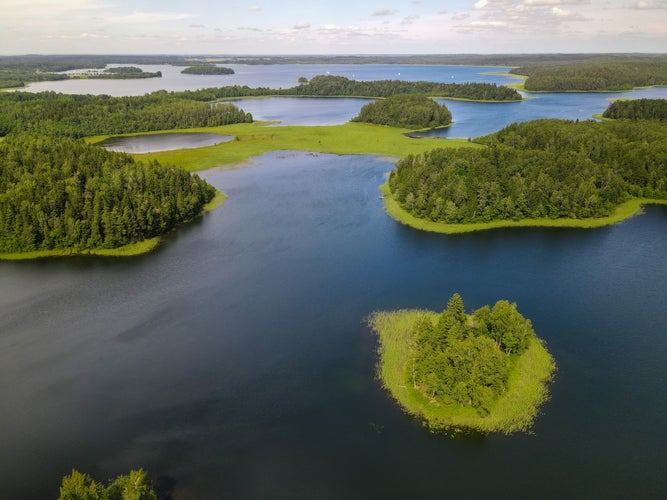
<point x="235" y="361"/>
<point x="150" y="143"/>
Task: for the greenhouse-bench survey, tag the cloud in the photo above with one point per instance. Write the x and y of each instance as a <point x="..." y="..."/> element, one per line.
<point x="250" y="28"/>
<point x="255" y="8"/>
<point x="301" y="26"/>
<point x="409" y="19"/>
<point x="150" y="17"/>
<point x="645" y="5"/>
<point x="196" y="26"/>
<point x="385" y="12"/>
<point x="549" y="3"/>
<point x="479" y="5"/>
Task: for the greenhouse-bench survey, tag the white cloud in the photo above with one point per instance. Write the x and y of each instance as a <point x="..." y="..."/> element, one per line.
<point x="480" y="4"/>
<point x="255" y="8"/>
<point x="385" y="12"/>
<point x="150" y="17"/>
<point x="301" y="26"/>
<point x="645" y="5"/>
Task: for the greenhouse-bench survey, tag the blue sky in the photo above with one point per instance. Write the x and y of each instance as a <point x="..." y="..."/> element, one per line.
<point x="331" y="27"/>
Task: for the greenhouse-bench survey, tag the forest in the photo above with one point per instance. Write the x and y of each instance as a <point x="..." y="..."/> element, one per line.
<point x="637" y="109"/>
<point x="124" y="73"/>
<point x="207" y="69"/>
<point x="594" y="76"/>
<point x="405" y="111"/>
<point x="133" y="486"/>
<point x="541" y="169"/>
<point x="59" y="193"/>
<point x="466" y="359"/>
<point x="340" y="86"/>
<point x="49" y="113"/>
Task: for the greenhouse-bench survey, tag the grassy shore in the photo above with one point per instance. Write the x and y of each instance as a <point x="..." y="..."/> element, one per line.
<point x="255" y="139"/>
<point x="622" y="212"/>
<point x="515" y="411"/>
<point x="138" y="248"/>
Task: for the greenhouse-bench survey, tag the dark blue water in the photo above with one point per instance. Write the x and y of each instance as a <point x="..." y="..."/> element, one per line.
<point x="235" y="360"/>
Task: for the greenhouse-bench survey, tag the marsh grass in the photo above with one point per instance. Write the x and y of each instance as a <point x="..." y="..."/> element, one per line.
<point x="515" y="411"/>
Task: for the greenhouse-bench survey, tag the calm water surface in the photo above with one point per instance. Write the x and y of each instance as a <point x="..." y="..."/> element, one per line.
<point x="150" y="143"/>
<point x="235" y="362"/>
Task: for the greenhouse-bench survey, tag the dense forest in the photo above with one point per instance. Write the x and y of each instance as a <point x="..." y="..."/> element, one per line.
<point x="49" y="113"/>
<point x="544" y="168"/>
<point x="637" y="109"/>
<point x="467" y="359"/>
<point x="133" y="486"/>
<point x="611" y="75"/>
<point x="405" y="111"/>
<point x="58" y="193"/>
<point x="339" y="86"/>
<point x="207" y="69"/>
<point x="124" y="73"/>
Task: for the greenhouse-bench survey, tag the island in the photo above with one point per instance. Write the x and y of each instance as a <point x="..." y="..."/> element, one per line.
<point x="484" y="372"/>
<point x="406" y="111"/>
<point x="541" y="173"/>
<point x="207" y="69"/>
<point x="637" y="109"/>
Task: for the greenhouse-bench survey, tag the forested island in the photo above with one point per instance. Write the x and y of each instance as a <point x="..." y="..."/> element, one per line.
<point x="49" y="113"/>
<point x="207" y="69"/>
<point x="405" y="111"/>
<point x="545" y="172"/>
<point x="587" y="76"/>
<point x="59" y="194"/>
<point x="122" y="73"/>
<point x="484" y="372"/>
<point x="340" y="86"/>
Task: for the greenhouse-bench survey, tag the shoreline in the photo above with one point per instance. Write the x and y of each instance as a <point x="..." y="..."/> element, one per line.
<point x="139" y="248"/>
<point x="514" y="411"/>
<point x="623" y="211"/>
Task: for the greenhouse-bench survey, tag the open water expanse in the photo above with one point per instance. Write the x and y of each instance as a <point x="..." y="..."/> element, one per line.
<point x="235" y="361"/>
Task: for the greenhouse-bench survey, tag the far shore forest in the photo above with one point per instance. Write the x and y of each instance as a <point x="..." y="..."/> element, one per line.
<point x="542" y="169"/>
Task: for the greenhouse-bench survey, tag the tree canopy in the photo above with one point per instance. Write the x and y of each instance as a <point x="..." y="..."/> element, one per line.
<point x="134" y="486"/>
<point x="405" y="111"/>
<point x="594" y="76"/>
<point x="207" y="69"/>
<point x="50" y="113"/>
<point x="637" y="109"/>
<point x="65" y="194"/>
<point x="545" y="168"/>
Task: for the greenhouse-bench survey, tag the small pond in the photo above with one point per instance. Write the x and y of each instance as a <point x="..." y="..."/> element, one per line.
<point x="152" y="143"/>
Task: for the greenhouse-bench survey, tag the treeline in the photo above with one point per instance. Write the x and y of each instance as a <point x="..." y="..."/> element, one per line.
<point x="207" y="69"/>
<point x="340" y="86"/>
<point x="545" y="168"/>
<point x="60" y="193"/>
<point x="637" y="109"/>
<point x="49" y="113"/>
<point x="405" y="111"/>
<point x="125" y="73"/>
<point x="467" y="359"/>
<point x="596" y="76"/>
<point x="133" y="486"/>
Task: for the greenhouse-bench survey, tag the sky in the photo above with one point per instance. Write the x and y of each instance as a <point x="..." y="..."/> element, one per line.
<point x="237" y="27"/>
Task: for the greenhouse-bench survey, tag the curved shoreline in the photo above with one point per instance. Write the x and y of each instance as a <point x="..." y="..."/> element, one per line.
<point x="623" y="211"/>
<point x="139" y="248"/>
<point x="514" y="411"/>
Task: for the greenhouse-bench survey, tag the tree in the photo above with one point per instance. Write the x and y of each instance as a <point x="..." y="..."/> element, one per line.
<point x="78" y="486"/>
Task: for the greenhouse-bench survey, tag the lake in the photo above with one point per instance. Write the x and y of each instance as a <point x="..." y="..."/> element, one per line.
<point x="235" y="360"/>
<point x="151" y="143"/>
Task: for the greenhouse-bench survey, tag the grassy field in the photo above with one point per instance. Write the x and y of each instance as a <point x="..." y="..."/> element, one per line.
<point x="622" y="212"/>
<point x="254" y="139"/>
<point x="515" y="411"/>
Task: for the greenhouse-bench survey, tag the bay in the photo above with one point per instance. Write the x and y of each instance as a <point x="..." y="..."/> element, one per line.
<point x="235" y="361"/>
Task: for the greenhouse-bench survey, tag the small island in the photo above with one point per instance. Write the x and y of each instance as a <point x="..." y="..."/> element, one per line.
<point x="406" y="111"/>
<point x="486" y="372"/>
<point x="207" y="69"/>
